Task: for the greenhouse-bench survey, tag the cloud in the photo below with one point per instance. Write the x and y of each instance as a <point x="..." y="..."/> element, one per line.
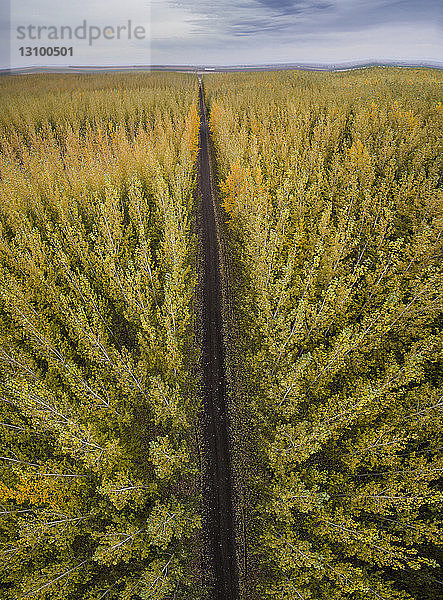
<point x="97" y="13"/>
<point x="297" y="7"/>
<point x="396" y="42"/>
<point x="258" y="17"/>
<point x="253" y="31"/>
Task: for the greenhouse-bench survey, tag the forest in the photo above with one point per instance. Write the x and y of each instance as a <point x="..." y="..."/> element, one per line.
<point x="329" y="218"/>
<point x="99" y="476"/>
<point x="331" y="193"/>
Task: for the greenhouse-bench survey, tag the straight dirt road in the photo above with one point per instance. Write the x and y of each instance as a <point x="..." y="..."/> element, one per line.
<point x="217" y="492"/>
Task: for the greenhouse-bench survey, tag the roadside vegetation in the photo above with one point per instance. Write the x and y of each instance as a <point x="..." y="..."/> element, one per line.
<point x="331" y="188"/>
<point x="99" y="494"/>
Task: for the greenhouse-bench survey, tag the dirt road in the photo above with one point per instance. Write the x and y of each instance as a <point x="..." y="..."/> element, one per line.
<point x="217" y="493"/>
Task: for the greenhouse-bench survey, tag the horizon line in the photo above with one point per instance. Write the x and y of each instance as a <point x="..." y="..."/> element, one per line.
<point x="308" y="66"/>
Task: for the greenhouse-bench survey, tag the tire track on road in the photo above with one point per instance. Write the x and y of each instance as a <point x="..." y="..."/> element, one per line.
<point x="217" y="478"/>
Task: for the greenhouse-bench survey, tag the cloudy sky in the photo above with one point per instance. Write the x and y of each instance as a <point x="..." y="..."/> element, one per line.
<point x="225" y="31"/>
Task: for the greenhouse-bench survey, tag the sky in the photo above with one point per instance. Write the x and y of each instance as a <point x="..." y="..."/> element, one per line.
<point x="223" y="32"/>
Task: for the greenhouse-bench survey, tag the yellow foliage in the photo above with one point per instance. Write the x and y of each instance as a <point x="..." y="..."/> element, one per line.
<point x="5" y="493"/>
<point x="410" y="118"/>
<point x="192" y="130"/>
<point x="405" y="117"/>
<point x="357" y="151"/>
<point x="215" y="117"/>
<point x="233" y="186"/>
<point x="37" y="491"/>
